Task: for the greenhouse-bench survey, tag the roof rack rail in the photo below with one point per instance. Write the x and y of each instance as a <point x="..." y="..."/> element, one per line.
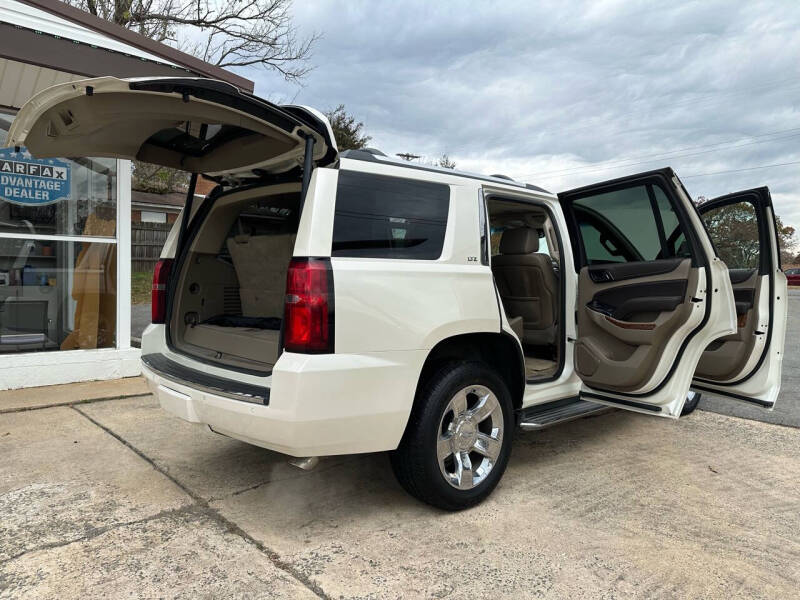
<point x="372" y="155"/>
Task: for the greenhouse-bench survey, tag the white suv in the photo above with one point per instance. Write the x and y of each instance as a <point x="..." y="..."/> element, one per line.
<point x="320" y="303"/>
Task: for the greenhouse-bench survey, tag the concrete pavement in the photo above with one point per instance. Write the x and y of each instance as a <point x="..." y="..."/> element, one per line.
<point x="118" y="499"/>
<point x="140" y="319"/>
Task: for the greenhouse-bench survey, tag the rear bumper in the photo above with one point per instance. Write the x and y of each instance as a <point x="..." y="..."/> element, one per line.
<point x="318" y="405"/>
<point x="205" y="382"/>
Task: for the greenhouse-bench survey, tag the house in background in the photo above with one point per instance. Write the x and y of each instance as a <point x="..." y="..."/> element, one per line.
<point x="152" y="216"/>
<point x="149" y="207"/>
<point x="65" y="260"/>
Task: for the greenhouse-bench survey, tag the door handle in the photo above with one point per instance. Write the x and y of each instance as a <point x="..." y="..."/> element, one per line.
<point x="601" y="276"/>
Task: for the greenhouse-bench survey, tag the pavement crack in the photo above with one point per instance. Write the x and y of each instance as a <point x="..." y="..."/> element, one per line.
<point x="71" y="404"/>
<point x="273" y="556"/>
<point x="213" y="514"/>
<point x="98" y="531"/>
<point x="194" y="496"/>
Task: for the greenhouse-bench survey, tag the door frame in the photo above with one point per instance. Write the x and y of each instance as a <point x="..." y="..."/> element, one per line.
<point x="486" y="194"/>
<point x="761" y="200"/>
<point x="670" y="183"/>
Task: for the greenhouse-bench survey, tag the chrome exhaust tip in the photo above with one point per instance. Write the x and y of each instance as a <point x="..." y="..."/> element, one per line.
<point x="306" y="463"/>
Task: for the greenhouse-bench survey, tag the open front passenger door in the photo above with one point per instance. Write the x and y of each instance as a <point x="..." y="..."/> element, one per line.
<point x="649" y="300"/>
<point x="746" y="365"/>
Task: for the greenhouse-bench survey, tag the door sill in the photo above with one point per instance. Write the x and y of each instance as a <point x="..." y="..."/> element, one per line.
<point x="560" y="411"/>
<point x="716" y="392"/>
<point x="622" y="403"/>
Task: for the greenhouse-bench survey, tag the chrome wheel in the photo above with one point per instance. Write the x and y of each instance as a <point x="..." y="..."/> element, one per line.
<point x="470" y="437"/>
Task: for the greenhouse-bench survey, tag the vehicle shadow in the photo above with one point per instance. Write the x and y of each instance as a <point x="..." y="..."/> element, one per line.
<point x="343" y="488"/>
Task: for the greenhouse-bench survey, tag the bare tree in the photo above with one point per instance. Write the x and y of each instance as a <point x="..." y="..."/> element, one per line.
<point x="156" y="179"/>
<point x="233" y="33"/>
<point x="446" y="162"/>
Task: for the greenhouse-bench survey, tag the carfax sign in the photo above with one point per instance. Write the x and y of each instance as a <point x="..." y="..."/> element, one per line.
<point x="32" y="182"/>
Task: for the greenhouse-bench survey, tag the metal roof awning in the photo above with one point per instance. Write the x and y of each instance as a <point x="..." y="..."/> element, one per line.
<point x="45" y="42"/>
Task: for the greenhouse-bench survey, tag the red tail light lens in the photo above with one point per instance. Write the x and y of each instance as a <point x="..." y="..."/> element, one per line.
<point x="308" y="313"/>
<point x="158" y="296"/>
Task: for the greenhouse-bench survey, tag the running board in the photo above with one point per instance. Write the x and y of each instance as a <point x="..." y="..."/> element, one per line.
<point x="560" y="411"/>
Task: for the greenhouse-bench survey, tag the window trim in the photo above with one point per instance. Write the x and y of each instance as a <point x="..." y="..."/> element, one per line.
<point x="490" y="194"/>
<point x="334" y="253"/>
<point x="57" y="238"/>
<point x="483" y="224"/>
<point x="764" y="260"/>
<point x="662" y="235"/>
<point x="659" y="178"/>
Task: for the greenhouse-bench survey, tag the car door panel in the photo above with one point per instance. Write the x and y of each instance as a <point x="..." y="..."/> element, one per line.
<point x="746" y="365"/>
<point x="625" y="325"/>
<point x="724" y="358"/>
<point x="646" y="306"/>
<point x="633" y="270"/>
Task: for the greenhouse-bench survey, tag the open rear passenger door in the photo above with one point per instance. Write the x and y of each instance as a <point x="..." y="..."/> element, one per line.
<point x="746" y="365"/>
<point x="652" y="295"/>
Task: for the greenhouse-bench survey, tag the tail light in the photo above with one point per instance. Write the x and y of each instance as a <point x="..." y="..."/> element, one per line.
<point x="308" y="313"/>
<point x="158" y="297"/>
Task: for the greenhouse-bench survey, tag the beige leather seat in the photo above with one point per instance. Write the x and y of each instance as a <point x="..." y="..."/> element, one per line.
<point x="527" y="284"/>
<point x="261" y="262"/>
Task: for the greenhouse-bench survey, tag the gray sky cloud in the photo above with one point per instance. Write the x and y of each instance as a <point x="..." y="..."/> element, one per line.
<point x="563" y="95"/>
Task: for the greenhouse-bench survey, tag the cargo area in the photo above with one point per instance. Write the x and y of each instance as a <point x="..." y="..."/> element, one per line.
<point x="229" y="297"/>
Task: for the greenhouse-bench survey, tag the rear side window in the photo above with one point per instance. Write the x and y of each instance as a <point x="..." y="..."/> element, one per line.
<point x="733" y="228"/>
<point x="389" y="217"/>
<point x="628" y="225"/>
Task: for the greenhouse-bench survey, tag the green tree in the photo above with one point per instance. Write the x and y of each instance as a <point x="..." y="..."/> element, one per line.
<point x="348" y="132"/>
<point x="734" y="231"/>
<point x="786" y="240"/>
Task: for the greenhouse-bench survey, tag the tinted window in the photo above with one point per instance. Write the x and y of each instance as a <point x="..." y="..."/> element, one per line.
<point x="630" y="224"/>
<point x="733" y="229"/>
<point x="388" y="217"/>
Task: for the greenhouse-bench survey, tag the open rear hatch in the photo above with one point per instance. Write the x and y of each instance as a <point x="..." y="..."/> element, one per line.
<point x="196" y="125"/>
<point x="227" y="304"/>
<point x="229" y="280"/>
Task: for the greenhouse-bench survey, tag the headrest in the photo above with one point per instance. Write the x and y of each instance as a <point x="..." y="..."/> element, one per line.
<point x="536" y="221"/>
<point x="522" y="240"/>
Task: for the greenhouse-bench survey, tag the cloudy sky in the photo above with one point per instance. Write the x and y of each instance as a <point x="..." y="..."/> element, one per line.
<point x="561" y="94"/>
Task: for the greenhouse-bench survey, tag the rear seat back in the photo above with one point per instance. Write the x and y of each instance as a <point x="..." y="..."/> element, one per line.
<point x="261" y="263"/>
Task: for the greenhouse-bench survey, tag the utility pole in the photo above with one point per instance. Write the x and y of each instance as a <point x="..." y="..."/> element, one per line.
<point x="407" y="156"/>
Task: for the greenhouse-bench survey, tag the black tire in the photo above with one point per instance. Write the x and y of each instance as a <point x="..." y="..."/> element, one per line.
<point x="691" y="404"/>
<point x="415" y="461"/>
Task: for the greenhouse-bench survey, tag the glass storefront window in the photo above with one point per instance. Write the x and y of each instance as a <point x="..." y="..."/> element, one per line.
<point x="56" y="293"/>
<point x="54" y="201"/>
